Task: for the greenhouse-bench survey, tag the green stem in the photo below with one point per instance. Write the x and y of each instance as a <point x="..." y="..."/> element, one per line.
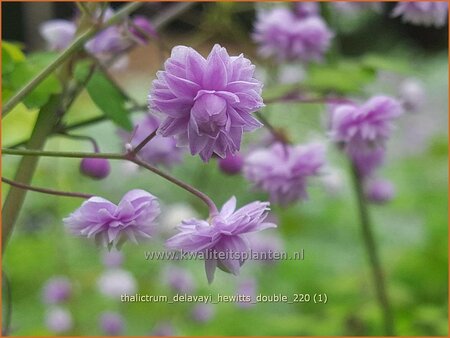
<point x="45" y="190"/>
<point x="46" y="120"/>
<point x="65" y="55"/>
<point x="7" y="303"/>
<point x="372" y="252"/>
<point x="117" y="156"/>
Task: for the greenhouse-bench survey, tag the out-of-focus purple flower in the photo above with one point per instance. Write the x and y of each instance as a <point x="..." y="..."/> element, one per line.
<point x="97" y="168"/>
<point x="110" y="224"/>
<point x="332" y="181"/>
<point x="109" y="41"/>
<point x="306" y="9"/>
<point x="412" y="94"/>
<point x="160" y="150"/>
<point x="282" y="170"/>
<point x="142" y="29"/>
<point x="281" y="34"/>
<point x="222" y="239"/>
<point x="179" y="279"/>
<point x="203" y="313"/>
<point x="172" y="216"/>
<point x="379" y="191"/>
<point x="112" y="259"/>
<point x="367" y="160"/>
<point x="58" y="34"/>
<point x="58" y="320"/>
<point x="367" y="126"/>
<point x="112" y="324"/>
<point x="247" y="287"/>
<point x="116" y="282"/>
<point x="207" y="102"/>
<point x="426" y="13"/>
<point x="265" y="244"/>
<point x="231" y="164"/>
<point x="57" y="290"/>
<point x="163" y="329"/>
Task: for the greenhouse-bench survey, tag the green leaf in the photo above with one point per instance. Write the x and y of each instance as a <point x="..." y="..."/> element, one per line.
<point x="343" y="77"/>
<point x="18" y="125"/>
<point x="109" y="99"/>
<point x="11" y="55"/>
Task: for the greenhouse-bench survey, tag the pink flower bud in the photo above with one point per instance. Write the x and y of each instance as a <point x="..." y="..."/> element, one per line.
<point x="96" y="168"/>
<point x="231" y="164"/>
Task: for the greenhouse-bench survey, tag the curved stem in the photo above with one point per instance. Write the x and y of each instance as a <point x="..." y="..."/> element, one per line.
<point x="372" y="252"/>
<point x="205" y="198"/>
<point x="118" y="156"/>
<point x="45" y="190"/>
<point x="83" y="138"/>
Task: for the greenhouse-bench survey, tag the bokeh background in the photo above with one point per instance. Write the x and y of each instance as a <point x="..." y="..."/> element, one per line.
<point x="411" y="230"/>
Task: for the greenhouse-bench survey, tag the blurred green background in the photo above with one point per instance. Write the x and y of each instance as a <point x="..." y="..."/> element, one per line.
<point x="411" y="231"/>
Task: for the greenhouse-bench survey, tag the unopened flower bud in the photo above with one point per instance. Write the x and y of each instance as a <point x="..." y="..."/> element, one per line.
<point x="231" y="164"/>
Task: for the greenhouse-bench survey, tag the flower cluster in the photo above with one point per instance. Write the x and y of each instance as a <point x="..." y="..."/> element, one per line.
<point x="110" y="224"/>
<point x="426" y="13"/>
<point x="292" y="35"/>
<point x="282" y="169"/>
<point x="207" y="102"/>
<point x="224" y="232"/>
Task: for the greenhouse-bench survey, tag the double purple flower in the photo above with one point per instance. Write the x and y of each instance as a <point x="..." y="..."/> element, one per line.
<point x="207" y="102"/>
<point x="111" y="225"/>
<point x="222" y="235"/>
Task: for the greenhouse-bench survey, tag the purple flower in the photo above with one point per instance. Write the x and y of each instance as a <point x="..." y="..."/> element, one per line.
<point x="179" y="280"/>
<point x="110" y="224"/>
<point x="58" y="320"/>
<point x="109" y="41"/>
<point x="57" y="290"/>
<point x="367" y="160"/>
<point x="265" y="244"/>
<point x="58" y="33"/>
<point x="231" y="164"/>
<point x="112" y="323"/>
<point x="306" y="9"/>
<point x="207" y="102"/>
<point x="366" y="126"/>
<point x="247" y="288"/>
<point x="426" y="13"/>
<point x="97" y="168"/>
<point x="142" y="29"/>
<point x="282" y="170"/>
<point x="163" y="329"/>
<point x="222" y="239"/>
<point x="160" y="150"/>
<point x="280" y="33"/>
<point x="203" y="313"/>
<point x="112" y="259"/>
<point x="379" y="191"/>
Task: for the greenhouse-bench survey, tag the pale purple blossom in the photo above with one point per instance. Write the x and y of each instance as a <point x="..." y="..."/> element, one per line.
<point x="426" y="13"/>
<point x="160" y="150"/>
<point x="282" y="170"/>
<point x="112" y="323"/>
<point x="179" y="279"/>
<point x="361" y="129"/>
<point x="58" y="320"/>
<point x="142" y="29"/>
<point x="222" y="238"/>
<point x="207" y="102"/>
<point x="163" y="329"/>
<point x="379" y="191"/>
<point x="304" y="9"/>
<point x="110" y="224"/>
<point x="112" y="259"/>
<point x="266" y="243"/>
<point x="247" y="288"/>
<point x="203" y="313"/>
<point x="412" y="94"/>
<point x="116" y="282"/>
<point x="58" y="33"/>
<point x="57" y="290"/>
<point x="281" y="34"/>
